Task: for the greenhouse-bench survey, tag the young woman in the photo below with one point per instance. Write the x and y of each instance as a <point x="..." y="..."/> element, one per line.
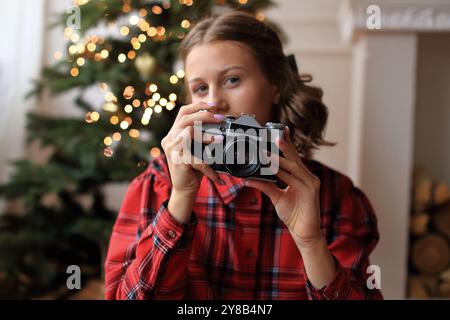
<point x="187" y="232"/>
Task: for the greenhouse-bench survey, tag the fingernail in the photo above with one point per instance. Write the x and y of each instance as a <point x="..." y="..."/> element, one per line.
<point x="212" y="104"/>
<point x="218" y="138"/>
<point x="219" y="117"/>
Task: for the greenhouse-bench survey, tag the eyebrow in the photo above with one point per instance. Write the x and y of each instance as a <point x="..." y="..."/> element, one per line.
<point x="220" y="73"/>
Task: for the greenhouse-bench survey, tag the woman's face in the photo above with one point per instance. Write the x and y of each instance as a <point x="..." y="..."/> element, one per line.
<point x="227" y="73"/>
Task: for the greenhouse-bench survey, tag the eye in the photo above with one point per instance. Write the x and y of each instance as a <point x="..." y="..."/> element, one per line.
<point x="200" y="88"/>
<point x="232" y="80"/>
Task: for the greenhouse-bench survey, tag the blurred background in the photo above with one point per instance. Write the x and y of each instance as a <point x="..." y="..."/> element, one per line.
<point x="89" y="88"/>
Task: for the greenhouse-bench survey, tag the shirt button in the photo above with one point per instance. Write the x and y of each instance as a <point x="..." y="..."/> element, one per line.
<point x="172" y="234"/>
<point x="249" y="253"/>
<point x="253" y="200"/>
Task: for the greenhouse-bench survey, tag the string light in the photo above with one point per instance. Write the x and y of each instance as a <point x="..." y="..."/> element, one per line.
<point x="81" y="61"/>
<point x="117" y="136"/>
<point x="91" y="47"/>
<point x="156" y="10"/>
<point x="163" y="102"/>
<point x="110" y="107"/>
<point x="124" y="30"/>
<point x="131" y="54"/>
<point x="104" y="53"/>
<point x="108" y="152"/>
<point x="124" y="125"/>
<point x="136" y="103"/>
<point x="153" y="88"/>
<point x="74" y="72"/>
<point x="95" y="116"/>
<point x="151" y="32"/>
<point x="73" y="49"/>
<point x="58" y="55"/>
<point x="142" y="38"/>
<point x="109" y="97"/>
<point x="122" y="58"/>
<point x="173" y="79"/>
<point x="107" y="141"/>
<point x="260" y="16"/>
<point x="172" y="97"/>
<point x="180" y="74"/>
<point x="143" y="12"/>
<point x="128" y="108"/>
<point x="128" y="93"/>
<point x="185" y="24"/>
<point x="88" y="118"/>
<point x="170" y="106"/>
<point x="155" y="152"/>
<point x="134" y="133"/>
<point x="74" y="38"/>
<point x="134" y="20"/>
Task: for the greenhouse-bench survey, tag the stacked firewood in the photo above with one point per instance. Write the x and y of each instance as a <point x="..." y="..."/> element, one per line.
<point x="429" y="256"/>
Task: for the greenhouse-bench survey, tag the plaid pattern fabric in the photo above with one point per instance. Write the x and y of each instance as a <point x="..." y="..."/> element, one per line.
<point x="235" y="246"/>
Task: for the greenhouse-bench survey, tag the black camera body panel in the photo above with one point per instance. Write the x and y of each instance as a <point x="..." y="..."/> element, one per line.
<point x="243" y="152"/>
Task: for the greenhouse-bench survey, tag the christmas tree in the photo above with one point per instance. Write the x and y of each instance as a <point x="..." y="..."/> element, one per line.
<point x="127" y="49"/>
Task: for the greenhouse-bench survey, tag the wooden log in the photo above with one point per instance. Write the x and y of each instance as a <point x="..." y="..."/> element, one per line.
<point x="422" y="190"/>
<point x="422" y="287"/>
<point x="431" y="254"/>
<point x="94" y="290"/>
<point x="445" y="276"/>
<point x="419" y="223"/>
<point x="441" y="219"/>
<point x="441" y="193"/>
<point x="444" y="289"/>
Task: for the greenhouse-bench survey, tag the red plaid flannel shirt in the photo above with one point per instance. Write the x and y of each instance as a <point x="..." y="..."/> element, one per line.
<point x="235" y="246"/>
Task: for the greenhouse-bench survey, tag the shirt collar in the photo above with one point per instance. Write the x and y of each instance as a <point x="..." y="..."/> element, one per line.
<point x="230" y="189"/>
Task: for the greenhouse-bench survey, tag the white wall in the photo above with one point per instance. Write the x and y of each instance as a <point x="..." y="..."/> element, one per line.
<point x="314" y="38"/>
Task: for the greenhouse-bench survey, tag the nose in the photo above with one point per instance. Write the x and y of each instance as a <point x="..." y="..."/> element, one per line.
<point x="221" y="105"/>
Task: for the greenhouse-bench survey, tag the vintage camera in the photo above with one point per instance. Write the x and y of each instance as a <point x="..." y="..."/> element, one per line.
<point x="245" y="147"/>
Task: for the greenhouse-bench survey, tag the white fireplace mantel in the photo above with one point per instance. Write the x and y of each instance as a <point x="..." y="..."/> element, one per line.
<point x="383" y="98"/>
<point x="396" y="15"/>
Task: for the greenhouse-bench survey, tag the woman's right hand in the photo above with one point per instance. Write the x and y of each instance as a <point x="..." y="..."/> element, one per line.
<point x="186" y="175"/>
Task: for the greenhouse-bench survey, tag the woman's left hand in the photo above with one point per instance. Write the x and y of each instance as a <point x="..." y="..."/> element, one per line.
<point x="298" y="205"/>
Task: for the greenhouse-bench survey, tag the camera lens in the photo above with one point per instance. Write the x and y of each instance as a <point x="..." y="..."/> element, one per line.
<point x="241" y="157"/>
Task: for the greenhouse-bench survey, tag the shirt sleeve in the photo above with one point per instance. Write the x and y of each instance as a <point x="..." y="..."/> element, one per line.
<point x="354" y="236"/>
<point x="149" y="250"/>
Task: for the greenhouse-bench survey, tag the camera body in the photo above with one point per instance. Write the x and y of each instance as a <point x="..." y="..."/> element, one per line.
<point x="245" y="147"/>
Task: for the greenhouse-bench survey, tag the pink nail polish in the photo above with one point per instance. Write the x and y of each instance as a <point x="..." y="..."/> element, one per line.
<point x="212" y="104"/>
<point x="218" y="138"/>
<point x="219" y="117"/>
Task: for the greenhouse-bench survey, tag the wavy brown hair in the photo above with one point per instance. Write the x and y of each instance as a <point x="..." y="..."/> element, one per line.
<point x="299" y="105"/>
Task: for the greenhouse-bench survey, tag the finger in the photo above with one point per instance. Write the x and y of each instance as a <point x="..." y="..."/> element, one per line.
<point x="290" y="180"/>
<point x="192" y="108"/>
<point x="270" y="189"/>
<point x="287" y="149"/>
<point x="190" y="119"/>
<point x="295" y="169"/>
<point x="208" y="172"/>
